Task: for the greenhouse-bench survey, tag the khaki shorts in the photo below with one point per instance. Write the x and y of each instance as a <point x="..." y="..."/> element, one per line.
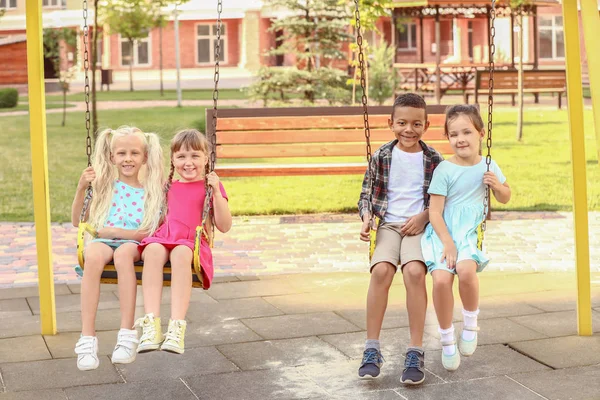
<point x="392" y="247"/>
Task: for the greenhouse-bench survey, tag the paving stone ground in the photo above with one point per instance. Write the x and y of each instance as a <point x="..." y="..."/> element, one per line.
<point x="301" y="336"/>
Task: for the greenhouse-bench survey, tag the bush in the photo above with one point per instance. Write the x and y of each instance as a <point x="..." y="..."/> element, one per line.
<point x="9" y="98"/>
<point x="382" y="75"/>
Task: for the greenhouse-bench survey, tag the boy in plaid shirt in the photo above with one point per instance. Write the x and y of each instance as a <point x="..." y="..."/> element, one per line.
<point x="401" y="171"/>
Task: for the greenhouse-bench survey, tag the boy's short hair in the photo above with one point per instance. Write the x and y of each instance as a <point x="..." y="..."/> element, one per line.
<point x="410" y="100"/>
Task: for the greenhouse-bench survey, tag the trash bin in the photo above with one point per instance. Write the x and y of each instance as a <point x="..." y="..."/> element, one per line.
<point x="106" y="78"/>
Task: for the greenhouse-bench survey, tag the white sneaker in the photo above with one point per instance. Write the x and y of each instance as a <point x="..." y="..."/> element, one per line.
<point x="87" y="353"/>
<point x="126" y="348"/>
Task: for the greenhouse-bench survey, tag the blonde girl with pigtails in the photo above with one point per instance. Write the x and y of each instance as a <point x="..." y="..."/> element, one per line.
<point x="124" y="210"/>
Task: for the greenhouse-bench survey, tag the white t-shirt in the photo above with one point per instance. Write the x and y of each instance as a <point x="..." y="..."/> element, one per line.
<point x="405" y="186"/>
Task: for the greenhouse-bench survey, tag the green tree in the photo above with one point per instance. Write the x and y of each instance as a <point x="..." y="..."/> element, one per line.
<point x="382" y="78"/>
<point x="133" y="20"/>
<point x="313" y="32"/>
<point x="57" y="43"/>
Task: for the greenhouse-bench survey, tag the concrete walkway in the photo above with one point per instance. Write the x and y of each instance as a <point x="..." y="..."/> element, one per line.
<point x="300" y="337"/>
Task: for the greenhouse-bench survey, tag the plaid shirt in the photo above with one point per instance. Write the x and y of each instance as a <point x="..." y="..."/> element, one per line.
<point x="381" y="163"/>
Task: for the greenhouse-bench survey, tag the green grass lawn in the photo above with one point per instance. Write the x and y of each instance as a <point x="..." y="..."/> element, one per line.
<point x="25" y="107"/>
<point x="138" y="95"/>
<point x="538" y="169"/>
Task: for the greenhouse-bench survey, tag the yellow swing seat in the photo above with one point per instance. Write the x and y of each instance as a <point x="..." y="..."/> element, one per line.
<point x="109" y="274"/>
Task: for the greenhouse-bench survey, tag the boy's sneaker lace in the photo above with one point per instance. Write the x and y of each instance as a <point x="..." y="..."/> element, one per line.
<point x="414" y="364"/>
<point x="174" y="340"/>
<point x="126" y="348"/>
<point x="371" y="363"/>
<point x="152" y="335"/>
<point x="87" y="353"/>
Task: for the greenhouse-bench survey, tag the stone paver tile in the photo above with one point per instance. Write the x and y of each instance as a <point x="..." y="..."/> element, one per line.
<point x="224" y="279"/>
<point x="500" y="307"/>
<point x="236" y="290"/>
<point x="317" y="302"/>
<point x="157" y="365"/>
<point x="487" y="361"/>
<point x="341" y="379"/>
<point x="497" y="388"/>
<point x="374" y="395"/>
<point x="299" y="325"/>
<point x="63" y="344"/>
<point x="393" y="342"/>
<point x="10" y="308"/>
<point x="281" y="353"/>
<point x="395" y="317"/>
<point x="109" y="319"/>
<point x="54" y="374"/>
<point x="198" y="296"/>
<point x="280" y="384"/>
<point x="25" y="348"/>
<point x="549" y="301"/>
<point x="72" y="302"/>
<point x="51" y="394"/>
<point x="160" y="389"/>
<point x="562" y="384"/>
<point x="555" y="324"/>
<point x="570" y="351"/>
<point x="29" y="291"/>
<point x="495" y="331"/>
<point x="200" y="334"/>
<point x="226" y="310"/>
<point x="105" y="287"/>
<point x="25" y="325"/>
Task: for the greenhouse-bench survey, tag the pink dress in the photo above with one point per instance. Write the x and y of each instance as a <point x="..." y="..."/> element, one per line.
<point x="185" y="205"/>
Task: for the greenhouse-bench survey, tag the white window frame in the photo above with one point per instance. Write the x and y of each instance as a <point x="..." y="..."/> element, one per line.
<point x="57" y="4"/>
<point x="212" y="38"/>
<point x="7" y="5"/>
<point x="554" y="29"/>
<point x="136" y="63"/>
<point x="411" y="46"/>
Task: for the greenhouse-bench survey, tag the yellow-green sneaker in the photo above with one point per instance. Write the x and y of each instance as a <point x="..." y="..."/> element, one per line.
<point x="152" y="335"/>
<point x="175" y="336"/>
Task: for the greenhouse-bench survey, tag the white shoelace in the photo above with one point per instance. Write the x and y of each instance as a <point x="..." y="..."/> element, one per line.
<point x="174" y="333"/>
<point x="148" y="330"/>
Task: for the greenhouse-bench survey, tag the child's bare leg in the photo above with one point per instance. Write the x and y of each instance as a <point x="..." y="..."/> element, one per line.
<point x="155" y="257"/>
<point x="382" y="276"/>
<point x="443" y="299"/>
<point x="97" y="255"/>
<point x="414" y="274"/>
<point x="468" y="284"/>
<point x="181" y="281"/>
<point x="124" y="258"/>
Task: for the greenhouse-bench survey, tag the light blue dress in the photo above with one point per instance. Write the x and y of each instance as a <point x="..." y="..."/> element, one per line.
<point x="463" y="212"/>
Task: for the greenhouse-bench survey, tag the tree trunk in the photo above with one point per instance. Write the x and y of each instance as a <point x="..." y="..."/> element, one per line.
<point x="131" y="67"/>
<point x="64" y="90"/>
<point x="94" y="61"/>
<point x="160" y="58"/>
<point x="520" y="79"/>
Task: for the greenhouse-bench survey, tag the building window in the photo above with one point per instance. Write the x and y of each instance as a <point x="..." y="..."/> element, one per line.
<point x="207" y="42"/>
<point x="407" y="37"/>
<point x="552" y="44"/>
<point x="140" y="54"/>
<point x="54" y="3"/>
<point x="8" y="4"/>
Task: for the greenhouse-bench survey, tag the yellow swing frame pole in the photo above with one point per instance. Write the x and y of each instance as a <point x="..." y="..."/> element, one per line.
<point x="39" y="164"/>
<point x="591" y="29"/>
<point x="578" y="162"/>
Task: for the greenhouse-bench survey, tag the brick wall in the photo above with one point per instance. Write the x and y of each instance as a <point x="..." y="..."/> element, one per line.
<point x="13" y="58"/>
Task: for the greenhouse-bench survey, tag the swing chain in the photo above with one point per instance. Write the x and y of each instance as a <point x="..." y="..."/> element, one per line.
<point x="88" y="140"/>
<point x="363" y="85"/>
<point x="488" y="157"/>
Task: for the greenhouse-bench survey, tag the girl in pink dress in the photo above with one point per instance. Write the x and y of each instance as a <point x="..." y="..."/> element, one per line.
<point x="174" y="241"/>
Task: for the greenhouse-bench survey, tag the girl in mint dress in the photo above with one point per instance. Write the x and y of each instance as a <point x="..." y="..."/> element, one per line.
<point x="449" y="243"/>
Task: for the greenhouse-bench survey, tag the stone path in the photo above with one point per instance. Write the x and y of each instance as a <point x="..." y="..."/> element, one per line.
<point x="324" y="243"/>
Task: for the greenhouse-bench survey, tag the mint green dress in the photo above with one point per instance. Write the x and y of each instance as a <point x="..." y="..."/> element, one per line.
<point x="463" y="212"/>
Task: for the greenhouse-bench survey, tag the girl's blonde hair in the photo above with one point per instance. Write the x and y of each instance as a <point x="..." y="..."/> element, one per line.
<point x="102" y="186"/>
<point x="191" y="139"/>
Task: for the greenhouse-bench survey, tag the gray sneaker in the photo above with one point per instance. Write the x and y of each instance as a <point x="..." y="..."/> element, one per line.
<point x="371" y="363"/>
<point x="414" y="365"/>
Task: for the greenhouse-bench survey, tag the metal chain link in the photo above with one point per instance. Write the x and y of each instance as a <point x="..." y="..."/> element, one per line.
<point x="88" y="140"/>
<point x="488" y="157"/>
<point x="363" y="85"/>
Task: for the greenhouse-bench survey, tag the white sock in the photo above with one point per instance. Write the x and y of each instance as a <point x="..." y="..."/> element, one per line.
<point x="470" y="320"/>
<point x="447" y="335"/>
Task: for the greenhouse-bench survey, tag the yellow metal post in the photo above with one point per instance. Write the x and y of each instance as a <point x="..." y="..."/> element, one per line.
<point x="39" y="164"/>
<point x="578" y="162"/>
<point x="591" y="29"/>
